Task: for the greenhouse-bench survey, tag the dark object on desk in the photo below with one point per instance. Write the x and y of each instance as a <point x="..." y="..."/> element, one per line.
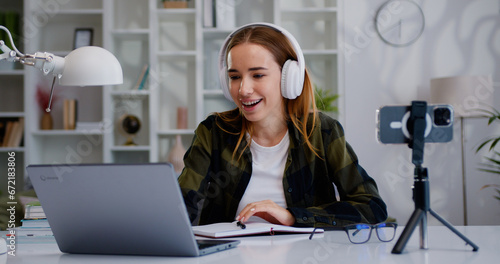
<point x="421" y="196"/>
<point x="92" y="207"/>
<point x="240" y="224"/>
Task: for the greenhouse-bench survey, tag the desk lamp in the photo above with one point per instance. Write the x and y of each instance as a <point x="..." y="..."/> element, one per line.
<point x="85" y="66"/>
<point x="467" y="95"/>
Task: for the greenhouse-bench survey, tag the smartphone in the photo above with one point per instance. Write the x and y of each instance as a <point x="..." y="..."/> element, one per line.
<point x="392" y="124"/>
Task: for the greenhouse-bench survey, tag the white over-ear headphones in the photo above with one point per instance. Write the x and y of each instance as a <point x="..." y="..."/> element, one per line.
<point x="292" y="72"/>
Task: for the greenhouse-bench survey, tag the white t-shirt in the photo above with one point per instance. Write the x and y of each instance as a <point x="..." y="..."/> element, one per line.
<point x="266" y="181"/>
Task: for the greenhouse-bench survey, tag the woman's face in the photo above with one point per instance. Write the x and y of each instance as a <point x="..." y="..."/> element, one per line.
<point x="254" y="83"/>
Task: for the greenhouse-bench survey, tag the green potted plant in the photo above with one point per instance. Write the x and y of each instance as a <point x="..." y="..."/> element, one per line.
<point x="10" y="20"/>
<point x="325" y="100"/>
<point x="492" y="164"/>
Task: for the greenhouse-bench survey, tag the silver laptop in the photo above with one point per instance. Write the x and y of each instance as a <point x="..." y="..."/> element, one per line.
<point x="134" y="209"/>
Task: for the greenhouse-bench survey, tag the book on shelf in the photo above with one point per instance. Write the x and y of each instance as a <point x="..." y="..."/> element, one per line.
<point x="231" y="229"/>
<point x="7" y="128"/>
<point x="69" y="114"/>
<point x="18" y="132"/>
<point x="143" y="76"/>
<point x="208" y="13"/>
<point x="11" y="132"/>
<point x="3" y="127"/>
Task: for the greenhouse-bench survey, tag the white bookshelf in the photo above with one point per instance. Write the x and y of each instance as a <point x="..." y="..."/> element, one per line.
<point x="12" y="107"/>
<point x="182" y="59"/>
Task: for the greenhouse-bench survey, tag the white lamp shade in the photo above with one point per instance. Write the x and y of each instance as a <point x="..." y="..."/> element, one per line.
<point x="91" y="66"/>
<point x="466" y="94"/>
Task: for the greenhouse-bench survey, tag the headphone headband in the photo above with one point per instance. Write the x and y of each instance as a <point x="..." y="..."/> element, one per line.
<point x="293" y="72"/>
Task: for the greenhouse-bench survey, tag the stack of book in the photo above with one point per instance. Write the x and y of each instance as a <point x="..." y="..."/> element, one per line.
<point x="34" y="224"/>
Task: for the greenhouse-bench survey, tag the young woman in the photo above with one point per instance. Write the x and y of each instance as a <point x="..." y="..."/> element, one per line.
<point x="274" y="157"/>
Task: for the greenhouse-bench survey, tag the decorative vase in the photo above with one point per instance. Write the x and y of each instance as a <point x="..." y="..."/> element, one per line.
<point x="46" y="122"/>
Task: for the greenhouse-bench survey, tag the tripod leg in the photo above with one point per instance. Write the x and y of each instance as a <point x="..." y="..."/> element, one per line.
<point x="415" y="219"/>
<point x="423" y="232"/>
<point x="447" y="224"/>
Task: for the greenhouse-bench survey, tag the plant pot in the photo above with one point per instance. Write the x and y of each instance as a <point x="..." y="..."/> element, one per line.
<point x="175" y="4"/>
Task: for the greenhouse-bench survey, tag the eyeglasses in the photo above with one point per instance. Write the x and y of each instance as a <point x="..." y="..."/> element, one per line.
<point x="361" y="233"/>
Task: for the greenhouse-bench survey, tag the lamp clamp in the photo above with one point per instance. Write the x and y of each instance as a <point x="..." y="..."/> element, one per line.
<point x="8" y="54"/>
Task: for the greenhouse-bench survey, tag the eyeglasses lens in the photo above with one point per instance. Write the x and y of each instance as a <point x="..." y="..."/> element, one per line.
<point x="359" y="233"/>
<point x="385" y="232"/>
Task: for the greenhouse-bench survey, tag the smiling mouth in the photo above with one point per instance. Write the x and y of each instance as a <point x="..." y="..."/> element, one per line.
<point x="251" y="103"/>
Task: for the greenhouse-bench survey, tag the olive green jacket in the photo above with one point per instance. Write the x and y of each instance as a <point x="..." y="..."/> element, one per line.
<point x="213" y="183"/>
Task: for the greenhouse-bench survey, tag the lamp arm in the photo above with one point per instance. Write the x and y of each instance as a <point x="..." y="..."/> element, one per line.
<point x="78" y="68"/>
<point x="8" y="55"/>
<point x="44" y="61"/>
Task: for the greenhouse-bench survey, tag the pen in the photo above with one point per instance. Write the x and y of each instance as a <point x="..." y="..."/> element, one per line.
<point x="240" y="224"/>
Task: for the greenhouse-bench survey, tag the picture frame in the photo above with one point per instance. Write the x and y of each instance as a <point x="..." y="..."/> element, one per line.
<point x="83" y="37"/>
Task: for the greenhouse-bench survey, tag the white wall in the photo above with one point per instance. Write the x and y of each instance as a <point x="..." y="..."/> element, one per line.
<point x="461" y="37"/>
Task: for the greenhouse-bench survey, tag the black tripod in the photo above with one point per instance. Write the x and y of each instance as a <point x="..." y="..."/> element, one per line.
<point x="416" y="125"/>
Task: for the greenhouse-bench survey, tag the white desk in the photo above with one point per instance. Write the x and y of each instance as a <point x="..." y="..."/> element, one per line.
<point x="331" y="247"/>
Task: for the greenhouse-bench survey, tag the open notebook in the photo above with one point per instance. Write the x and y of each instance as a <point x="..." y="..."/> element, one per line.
<point x="220" y="230"/>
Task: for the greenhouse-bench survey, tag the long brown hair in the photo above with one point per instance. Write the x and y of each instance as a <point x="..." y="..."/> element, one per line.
<point x="297" y="110"/>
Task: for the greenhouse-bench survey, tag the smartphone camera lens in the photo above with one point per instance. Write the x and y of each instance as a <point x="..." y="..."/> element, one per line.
<point x="442" y="116"/>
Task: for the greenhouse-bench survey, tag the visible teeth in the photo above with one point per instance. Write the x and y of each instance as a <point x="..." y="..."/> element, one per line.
<point x="250" y="102"/>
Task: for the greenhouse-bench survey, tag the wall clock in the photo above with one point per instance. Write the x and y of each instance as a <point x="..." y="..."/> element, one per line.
<point x="399" y="23"/>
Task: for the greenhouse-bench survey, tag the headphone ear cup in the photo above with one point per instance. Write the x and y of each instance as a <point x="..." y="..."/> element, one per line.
<point x="291" y="85"/>
<point x="224" y="83"/>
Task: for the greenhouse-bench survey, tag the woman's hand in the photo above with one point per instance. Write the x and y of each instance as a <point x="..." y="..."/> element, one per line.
<point x="267" y="210"/>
